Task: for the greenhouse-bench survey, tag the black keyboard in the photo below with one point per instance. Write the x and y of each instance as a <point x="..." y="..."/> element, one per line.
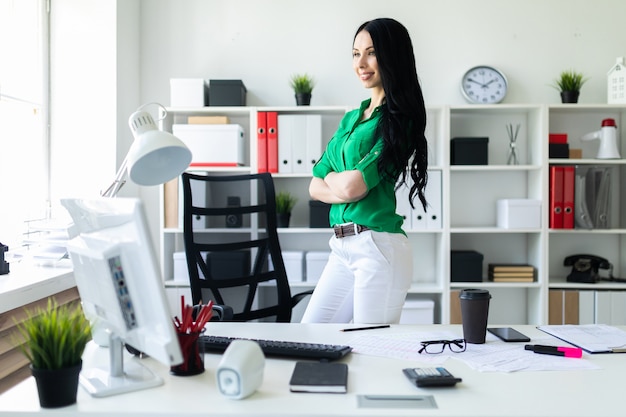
<point x="280" y="348"/>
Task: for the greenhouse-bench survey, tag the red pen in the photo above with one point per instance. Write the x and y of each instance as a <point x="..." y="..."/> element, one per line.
<point x="568" y="352"/>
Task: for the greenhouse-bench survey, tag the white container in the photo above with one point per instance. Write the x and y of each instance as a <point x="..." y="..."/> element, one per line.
<point x="519" y="213"/>
<point x="213" y="145"/>
<point x="187" y="92"/>
<point x="294" y="265"/>
<point x="315" y="263"/>
<point x="181" y="273"/>
<point x="418" y="312"/>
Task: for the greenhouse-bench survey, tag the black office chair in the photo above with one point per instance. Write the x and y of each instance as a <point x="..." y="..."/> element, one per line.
<point x="229" y="267"/>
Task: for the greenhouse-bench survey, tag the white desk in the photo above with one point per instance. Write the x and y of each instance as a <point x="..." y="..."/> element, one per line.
<point x="536" y="394"/>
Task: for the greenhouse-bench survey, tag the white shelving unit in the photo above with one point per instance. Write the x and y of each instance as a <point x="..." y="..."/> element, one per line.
<point x="468" y="202"/>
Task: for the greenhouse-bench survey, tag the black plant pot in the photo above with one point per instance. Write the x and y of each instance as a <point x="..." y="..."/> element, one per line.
<point x="569" y="96"/>
<point x="57" y="387"/>
<point x="282" y="219"/>
<point x="303" y="99"/>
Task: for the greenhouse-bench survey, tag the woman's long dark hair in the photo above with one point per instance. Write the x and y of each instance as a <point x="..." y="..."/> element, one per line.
<point x="403" y="119"/>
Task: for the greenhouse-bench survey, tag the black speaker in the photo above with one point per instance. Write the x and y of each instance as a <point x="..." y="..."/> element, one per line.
<point x="233" y="220"/>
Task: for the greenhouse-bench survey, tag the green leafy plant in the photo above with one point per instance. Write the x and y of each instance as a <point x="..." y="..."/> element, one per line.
<point x="55" y="337"/>
<point x="570" y="81"/>
<point x="302" y="83"/>
<point x="285" y="202"/>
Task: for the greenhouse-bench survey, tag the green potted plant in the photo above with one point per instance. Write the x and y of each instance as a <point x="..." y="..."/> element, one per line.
<point x="54" y="340"/>
<point x="569" y="84"/>
<point x="284" y="204"/>
<point x="302" y="85"/>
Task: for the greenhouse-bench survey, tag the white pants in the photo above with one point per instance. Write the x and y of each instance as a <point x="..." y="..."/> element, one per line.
<point x="365" y="280"/>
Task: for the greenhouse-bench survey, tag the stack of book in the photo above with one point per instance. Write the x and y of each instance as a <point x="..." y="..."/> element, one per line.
<point x="511" y="273"/>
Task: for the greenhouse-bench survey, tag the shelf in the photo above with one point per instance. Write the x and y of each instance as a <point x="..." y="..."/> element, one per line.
<point x="461" y="168"/>
<point x="567" y="161"/>
<point x="469" y="195"/>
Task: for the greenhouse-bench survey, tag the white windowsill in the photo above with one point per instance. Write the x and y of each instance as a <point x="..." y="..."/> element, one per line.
<point x="26" y="283"/>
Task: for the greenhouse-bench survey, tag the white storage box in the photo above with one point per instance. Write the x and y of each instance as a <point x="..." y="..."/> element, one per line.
<point x="519" y="213"/>
<point x="213" y="145"/>
<point x="181" y="273"/>
<point x="315" y="263"/>
<point x="188" y="92"/>
<point x="418" y="312"/>
<point x="294" y="265"/>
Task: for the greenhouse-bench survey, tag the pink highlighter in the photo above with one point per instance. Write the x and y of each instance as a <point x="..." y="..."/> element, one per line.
<point x="568" y="352"/>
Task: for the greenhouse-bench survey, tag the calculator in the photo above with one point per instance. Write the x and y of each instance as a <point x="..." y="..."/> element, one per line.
<point x="431" y="377"/>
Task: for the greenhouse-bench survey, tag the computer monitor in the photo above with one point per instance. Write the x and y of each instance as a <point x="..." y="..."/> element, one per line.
<point x="121" y="290"/>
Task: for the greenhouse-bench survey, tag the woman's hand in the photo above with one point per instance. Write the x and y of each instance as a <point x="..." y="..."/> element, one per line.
<point x="339" y="187"/>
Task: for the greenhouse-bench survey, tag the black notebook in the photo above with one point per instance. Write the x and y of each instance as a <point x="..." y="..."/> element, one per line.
<point x="327" y="377"/>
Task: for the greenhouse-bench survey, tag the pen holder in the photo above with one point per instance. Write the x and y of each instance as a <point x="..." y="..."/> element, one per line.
<point x="193" y="359"/>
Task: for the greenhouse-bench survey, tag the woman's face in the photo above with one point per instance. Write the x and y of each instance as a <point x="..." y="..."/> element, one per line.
<point x="364" y="60"/>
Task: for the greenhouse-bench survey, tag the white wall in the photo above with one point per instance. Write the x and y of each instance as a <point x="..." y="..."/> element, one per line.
<point x="263" y="42"/>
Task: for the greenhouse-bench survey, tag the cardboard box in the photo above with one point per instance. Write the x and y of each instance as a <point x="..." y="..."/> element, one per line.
<point x="294" y="265"/>
<point x="318" y="214"/>
<point x="315" y="263"/>
<point x="519" y="213"/>
<point x="188" y="92"/>
<point x="466" y="266"/>
<point x="558" y="150"/>
<point x="557" y="138"/>
<point x="227" y="93"/>
<point x="418" y="312"/>
<point x="213" y="145"/>
<point x="469" y="151"/>
<point x="208" y="120"/>
<point x="181" y="273"/>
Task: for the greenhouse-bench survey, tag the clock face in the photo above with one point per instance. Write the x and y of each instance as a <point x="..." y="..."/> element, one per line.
<point x="483" y="85"/>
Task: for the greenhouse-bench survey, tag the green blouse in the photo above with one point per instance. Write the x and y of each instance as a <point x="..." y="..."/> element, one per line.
<point x="357" y="145"/>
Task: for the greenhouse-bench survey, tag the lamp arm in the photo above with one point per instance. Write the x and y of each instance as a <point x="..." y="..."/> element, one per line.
<point x="119" y="181"/>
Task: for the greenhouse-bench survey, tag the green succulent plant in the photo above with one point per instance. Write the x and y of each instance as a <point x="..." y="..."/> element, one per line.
<point x="285" y="202"/>
<point x="570" y="80"/>
<point x="54" y="337"/>
<point x="302" y="83"/>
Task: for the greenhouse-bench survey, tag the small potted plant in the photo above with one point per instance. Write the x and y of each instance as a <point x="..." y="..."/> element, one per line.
<point x="302" y="85"/>
<point x="284" y="204"/>
<point x="569" y="84"/>
<point x="54" y="340"/>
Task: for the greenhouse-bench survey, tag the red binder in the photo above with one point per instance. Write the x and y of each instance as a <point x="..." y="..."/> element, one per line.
<point x="272" y="141"/>
<point x="569" y="176"/>
<point x="262" y="141"/>
<point x="556" y="197"/>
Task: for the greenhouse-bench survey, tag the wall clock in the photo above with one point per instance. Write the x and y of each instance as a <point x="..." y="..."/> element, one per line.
<point x="483" y="85"/>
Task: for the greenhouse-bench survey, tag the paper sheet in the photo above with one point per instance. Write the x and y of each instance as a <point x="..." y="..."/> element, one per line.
<point x="492" y="356"/>
<point x="594" y="338"/>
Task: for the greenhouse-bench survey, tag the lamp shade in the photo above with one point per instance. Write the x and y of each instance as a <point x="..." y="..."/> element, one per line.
<point x="155" y="156"/>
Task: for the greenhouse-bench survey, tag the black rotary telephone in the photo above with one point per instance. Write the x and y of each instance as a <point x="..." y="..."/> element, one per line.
<point x="585" y="269"/>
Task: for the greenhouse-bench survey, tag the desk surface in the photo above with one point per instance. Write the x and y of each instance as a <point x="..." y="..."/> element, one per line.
<point x="26" y="283"/>
<point x="545" y="393"/>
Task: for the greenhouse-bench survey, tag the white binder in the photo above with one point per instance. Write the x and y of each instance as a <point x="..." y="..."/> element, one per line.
<point x="433" y="197"/>
<point x="403" y="207"/>
<point x="299" y="142"/>
<point x="285" y="133"/>
<point x="313" y="140"/>
<point x="299" y="139"/>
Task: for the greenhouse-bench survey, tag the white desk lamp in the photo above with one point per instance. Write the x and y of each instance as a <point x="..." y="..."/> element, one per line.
<point x="154" y="158"/>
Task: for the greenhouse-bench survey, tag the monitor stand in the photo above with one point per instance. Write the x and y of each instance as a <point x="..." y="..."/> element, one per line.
<point x="119" y="379"/>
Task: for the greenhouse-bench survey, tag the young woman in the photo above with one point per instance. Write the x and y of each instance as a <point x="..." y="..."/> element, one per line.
<point x="376" y="147"/>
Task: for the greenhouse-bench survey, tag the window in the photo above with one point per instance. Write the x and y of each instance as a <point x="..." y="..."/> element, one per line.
<point x="24" y="144"/>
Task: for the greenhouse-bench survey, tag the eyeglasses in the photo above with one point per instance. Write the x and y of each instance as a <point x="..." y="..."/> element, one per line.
<point x="438" y="346"/>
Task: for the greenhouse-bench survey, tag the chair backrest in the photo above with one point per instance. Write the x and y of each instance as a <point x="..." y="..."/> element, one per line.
<point x="228" y="241"/>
